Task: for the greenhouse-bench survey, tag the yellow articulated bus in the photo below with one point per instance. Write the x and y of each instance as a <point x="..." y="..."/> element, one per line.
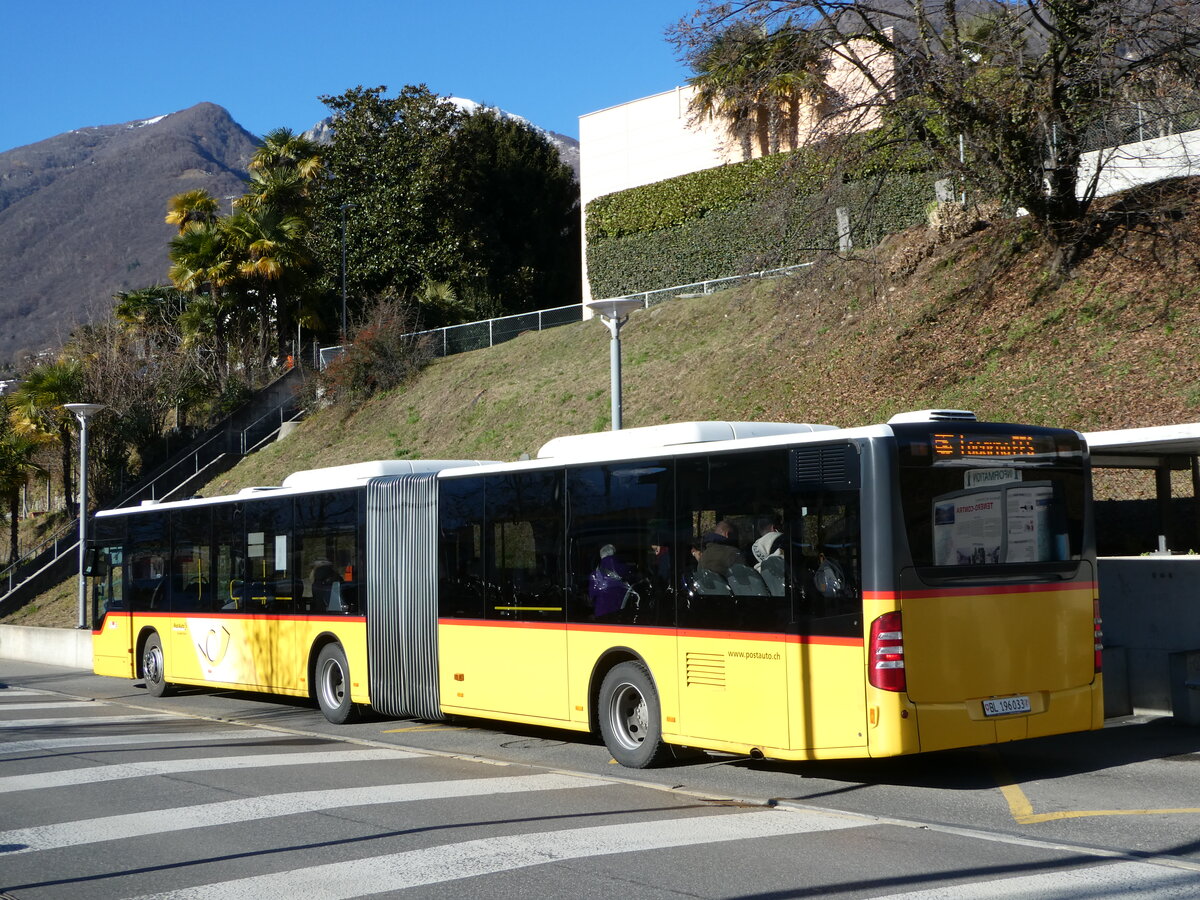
<point x="786" y="591"/>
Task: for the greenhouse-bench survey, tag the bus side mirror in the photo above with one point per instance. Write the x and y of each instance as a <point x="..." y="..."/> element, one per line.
<point x="95" y="563"/>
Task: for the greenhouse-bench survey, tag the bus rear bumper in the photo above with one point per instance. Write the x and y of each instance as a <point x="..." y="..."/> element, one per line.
<point x="945" y="726"/>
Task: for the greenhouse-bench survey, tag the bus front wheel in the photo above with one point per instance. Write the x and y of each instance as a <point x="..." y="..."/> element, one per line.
<point x="630" y="717"/>
<point x="154" y="667"/>
<point x="333" y="685"/>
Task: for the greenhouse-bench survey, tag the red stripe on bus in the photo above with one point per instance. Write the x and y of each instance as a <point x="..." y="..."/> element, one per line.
<point x="975" y="591"/>
<point x="282" y="617"/>
<point x="592" y="627"/>
<point x="506" y="623"/>
<point x="776" y="637"/>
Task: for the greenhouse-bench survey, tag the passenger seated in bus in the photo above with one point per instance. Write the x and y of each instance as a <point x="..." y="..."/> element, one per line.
<point x="769" y="543"/>
<point x="608" y="584"/>
<point x="323" y="577"/>
<point x="660" y="560"/>
<point x="721" y="549"/>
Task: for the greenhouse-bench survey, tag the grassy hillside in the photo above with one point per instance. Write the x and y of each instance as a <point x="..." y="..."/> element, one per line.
<point x="972" y="322"/>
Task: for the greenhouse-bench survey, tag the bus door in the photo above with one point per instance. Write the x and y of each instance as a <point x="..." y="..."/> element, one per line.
<point x="112" y="635"/>
<point x="733" y="662"/>
<point x="502" y="633"/>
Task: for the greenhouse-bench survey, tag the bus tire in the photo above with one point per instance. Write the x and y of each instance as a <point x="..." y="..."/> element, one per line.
<point x="332" y="684"/>
<point x="631" y="718"/>
<point x="154" y="667"/>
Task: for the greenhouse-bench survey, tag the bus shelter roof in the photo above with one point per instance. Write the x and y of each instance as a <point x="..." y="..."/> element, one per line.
<point x="1155" y="447"/>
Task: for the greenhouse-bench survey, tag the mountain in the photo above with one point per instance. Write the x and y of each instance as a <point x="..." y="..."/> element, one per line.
<point x="81" y="214"/>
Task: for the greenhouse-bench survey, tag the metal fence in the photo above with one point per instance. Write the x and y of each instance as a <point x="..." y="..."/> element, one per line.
<point x="477" y="335"/>
<point x="1144" y="120"/>
<point x="489" y="332"/>
<point x="700" y="288"/>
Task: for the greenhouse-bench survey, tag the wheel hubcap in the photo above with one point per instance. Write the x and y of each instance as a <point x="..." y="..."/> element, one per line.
<point x="152" y="664"/>
<point x="333" y="684"/>
<point x="629" y="716"/>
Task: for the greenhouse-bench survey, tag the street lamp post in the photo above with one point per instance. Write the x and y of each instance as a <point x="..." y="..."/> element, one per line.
<point x="614" y="313"/>
<point x="343" y="208"/>
<point x="83" y="412"/>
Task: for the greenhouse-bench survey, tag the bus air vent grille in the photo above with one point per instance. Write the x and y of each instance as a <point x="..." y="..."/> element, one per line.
<point x="705" y="670"/>
<point x="832" y="468"/>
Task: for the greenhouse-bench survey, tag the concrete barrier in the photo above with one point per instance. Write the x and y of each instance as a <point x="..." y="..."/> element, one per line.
<point x="1151" y="611"/>
<point x="70" y="647"/>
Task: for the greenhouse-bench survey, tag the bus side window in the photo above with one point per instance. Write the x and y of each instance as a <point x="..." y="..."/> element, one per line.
<point x="523" y="553"/>
<point x="461" y="586"/>
<point x="326" y="539"/>
<point x="146" y="568"/>
<point x="828" y="569"/>
<point x="621" y="566"/>
<point x="191" y="558"/>
<point x="737" y="504"/>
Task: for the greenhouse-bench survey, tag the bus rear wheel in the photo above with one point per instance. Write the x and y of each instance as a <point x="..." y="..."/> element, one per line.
<point x="631" y="718"/>
<point x="154" y="667"/>
<point x="333" y="685"/>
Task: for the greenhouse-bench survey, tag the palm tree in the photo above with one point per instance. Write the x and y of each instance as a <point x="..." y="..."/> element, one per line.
<point x="203" y="262"/>
<point x="282" y="172"/>
<point x="754" y="80"/>
<point x="271" y="252"/>
<point x="17" y="463"/>
<point x="272" y="231"/>
<point x="149" y="313"/>
<point x="723" y="85"/>
<point x="190" y="208"/>
<point x="283" y="148"/>
<point x="792" y="75"/>
<point x="38" y="409"/>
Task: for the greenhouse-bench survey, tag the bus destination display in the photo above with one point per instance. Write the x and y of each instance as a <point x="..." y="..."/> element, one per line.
<point x="992" y="446"/>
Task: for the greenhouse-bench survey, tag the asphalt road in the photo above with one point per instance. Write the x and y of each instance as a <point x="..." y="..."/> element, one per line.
<point x="107" y="792"/>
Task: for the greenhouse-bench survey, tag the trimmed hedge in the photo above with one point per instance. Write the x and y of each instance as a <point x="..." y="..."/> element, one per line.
<point x="676" y="201"/>
<point x="763" y="230"/>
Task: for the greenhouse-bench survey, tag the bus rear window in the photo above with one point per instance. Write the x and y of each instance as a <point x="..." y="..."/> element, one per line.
<point x="1012" y="503"/>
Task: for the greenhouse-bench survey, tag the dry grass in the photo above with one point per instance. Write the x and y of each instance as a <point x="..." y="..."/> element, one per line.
<point x="978" y="325"/>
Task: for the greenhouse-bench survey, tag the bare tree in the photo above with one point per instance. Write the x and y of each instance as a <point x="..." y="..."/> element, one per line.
<point x="1004" y="93"/>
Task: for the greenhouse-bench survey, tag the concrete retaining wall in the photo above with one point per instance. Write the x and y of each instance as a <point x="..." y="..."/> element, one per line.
<point x="68" y="647"/>
<point x="1151" y="611"/>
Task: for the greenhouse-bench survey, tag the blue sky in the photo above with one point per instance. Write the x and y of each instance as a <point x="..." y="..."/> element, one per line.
<point x="76" y="63"/>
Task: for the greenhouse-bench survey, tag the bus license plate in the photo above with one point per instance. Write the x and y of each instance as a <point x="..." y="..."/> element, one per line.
<point x="1006" y="706"/>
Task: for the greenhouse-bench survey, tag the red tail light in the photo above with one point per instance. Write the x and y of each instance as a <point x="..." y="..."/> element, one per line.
<point x="1099" y="635"/>
<point x="885" y="655"/>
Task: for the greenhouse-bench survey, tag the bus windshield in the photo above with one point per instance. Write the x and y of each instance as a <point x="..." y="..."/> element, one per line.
<point x="988" y="497"/>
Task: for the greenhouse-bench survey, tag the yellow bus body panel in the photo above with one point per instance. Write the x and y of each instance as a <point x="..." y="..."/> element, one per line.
<point x="503" y="669"/>
<point x="962" y="647"/>
<point x="112" y="647"/>
<point x="762" y="689"/>
<point x="588" y="645"/>
<point x="258" y="653"/>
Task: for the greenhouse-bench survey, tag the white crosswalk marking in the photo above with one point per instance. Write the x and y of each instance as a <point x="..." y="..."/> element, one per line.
<point x="84" y="720"/>
<point x="96" y="774"/>
<point x="113" y="828"/>
<point x="24" y="692"/>
<point x="115" y="740"/>
<point x="1123" y="879"/>
<point x="488" y="856"/>
<point x="60" y="704"/>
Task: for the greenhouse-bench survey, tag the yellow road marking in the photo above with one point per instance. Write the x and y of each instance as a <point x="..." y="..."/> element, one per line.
<point x="1022" y="810"/>
<point x="425" y="728"/>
